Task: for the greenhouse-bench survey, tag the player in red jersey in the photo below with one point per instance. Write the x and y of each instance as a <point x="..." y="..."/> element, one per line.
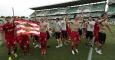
<point x="9" y="35"/>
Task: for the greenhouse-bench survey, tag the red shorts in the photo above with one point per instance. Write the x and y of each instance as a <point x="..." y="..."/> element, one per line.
<point x="10" y="42"/>
<point x="43" y="37"/>
<point x="75" y="36"/>
<point x="43" y="40"/>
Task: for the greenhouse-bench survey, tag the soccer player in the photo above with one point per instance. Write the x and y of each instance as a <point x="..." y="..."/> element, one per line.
<point x="58" y="33"/>
<point x="103" y="25"/>
<point x="90" y="29"/>
<point x="64" y="31"/>
<point x="9" y="35"/>
<point x="75" y="38"/>
<point x="43" y="37"/>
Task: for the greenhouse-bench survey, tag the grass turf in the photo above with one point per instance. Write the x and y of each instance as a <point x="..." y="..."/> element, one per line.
<point x="108" y="49"/>
<point x="64" y="53"/>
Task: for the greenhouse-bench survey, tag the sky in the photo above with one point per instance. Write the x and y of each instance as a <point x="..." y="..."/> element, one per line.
<point x="21" y="7"/>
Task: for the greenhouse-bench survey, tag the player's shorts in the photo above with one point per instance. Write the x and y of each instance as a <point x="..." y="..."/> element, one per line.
<point x="75" y="36"/>
<point x="57" y="35"/>
<point x="102" y="37"/>
<point x="64" y="33"/>
<point x="11" y="44"/>
<point x="43" y="37"/>
<point x="89" y="34"/>
<point x="43" y="45"/>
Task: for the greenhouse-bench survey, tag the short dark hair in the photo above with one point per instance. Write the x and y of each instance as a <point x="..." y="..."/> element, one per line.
<point x="75" y="15"/>
<point x="93" y="19"/>
<point x="57" y="19"/>
<point x="103" y="14"/>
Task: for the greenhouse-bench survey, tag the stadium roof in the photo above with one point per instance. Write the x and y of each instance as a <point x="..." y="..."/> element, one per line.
<point x="66" y="4"/>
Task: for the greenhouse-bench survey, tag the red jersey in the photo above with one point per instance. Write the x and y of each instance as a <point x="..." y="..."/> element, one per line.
<point x="9" y="31"/>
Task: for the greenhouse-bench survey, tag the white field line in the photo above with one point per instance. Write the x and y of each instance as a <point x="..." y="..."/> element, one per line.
<point x="90" y="51"/>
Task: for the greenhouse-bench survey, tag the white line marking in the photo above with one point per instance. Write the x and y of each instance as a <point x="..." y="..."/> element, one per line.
<point x="90" y="51"/>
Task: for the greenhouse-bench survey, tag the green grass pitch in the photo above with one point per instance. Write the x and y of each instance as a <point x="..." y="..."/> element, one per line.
<point x="64" y="53"/>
